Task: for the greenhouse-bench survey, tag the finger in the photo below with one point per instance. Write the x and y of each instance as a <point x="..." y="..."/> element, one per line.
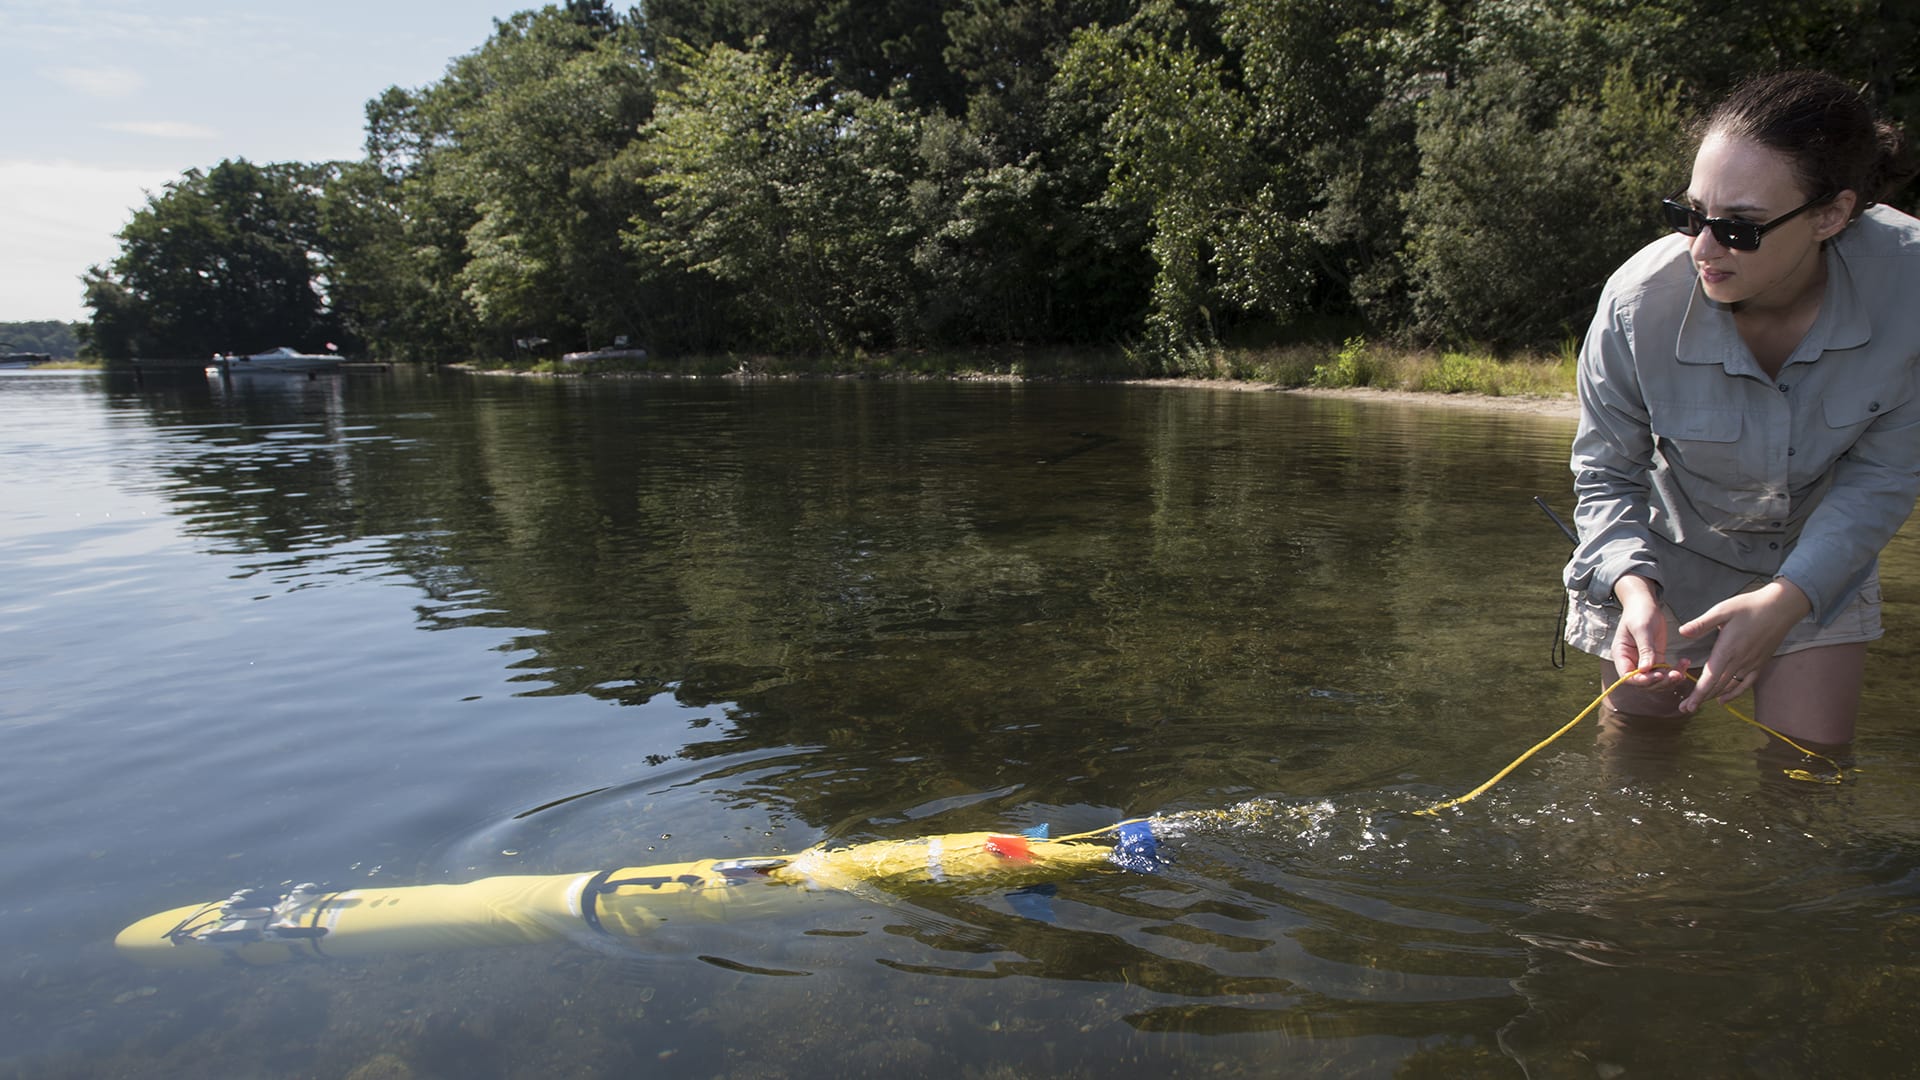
<point x="1711" y="619"/>
<point x="1626" y="660"/>
<point x="1728" y="687"/>
<point x="1711" y="683"/>
<point x="1737" y="685"/>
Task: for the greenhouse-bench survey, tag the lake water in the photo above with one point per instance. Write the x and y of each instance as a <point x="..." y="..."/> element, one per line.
<point x="414" y="629"/>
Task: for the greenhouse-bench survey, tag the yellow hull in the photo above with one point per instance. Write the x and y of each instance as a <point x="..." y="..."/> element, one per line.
<point x="307" y="922"/>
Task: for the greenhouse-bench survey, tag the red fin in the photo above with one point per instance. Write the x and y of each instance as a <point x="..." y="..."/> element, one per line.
<point x="1010" y="847"/>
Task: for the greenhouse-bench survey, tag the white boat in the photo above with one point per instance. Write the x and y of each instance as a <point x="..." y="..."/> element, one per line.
<point x="282" y="360"/>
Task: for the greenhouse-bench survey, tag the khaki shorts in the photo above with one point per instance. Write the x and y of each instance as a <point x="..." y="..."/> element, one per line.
<point x="1590" y="626"/>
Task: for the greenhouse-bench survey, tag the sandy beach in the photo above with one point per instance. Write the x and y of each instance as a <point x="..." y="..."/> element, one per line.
<point x="1565" y="406"/>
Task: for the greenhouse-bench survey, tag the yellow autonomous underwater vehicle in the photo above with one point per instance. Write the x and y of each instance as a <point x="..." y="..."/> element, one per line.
<point x="268" y="926"/>
<point x="262" y="926"/>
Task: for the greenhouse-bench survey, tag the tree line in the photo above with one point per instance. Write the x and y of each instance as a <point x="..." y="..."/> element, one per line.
<point x="826" y="177"/>
<point x="48" y="337"/>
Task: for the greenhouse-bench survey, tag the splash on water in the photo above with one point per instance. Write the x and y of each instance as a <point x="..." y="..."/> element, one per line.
<point x="1313" y="823"/>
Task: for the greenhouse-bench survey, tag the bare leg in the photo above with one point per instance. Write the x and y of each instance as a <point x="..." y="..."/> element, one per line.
<point x="1812" y="695"/>
<point x="1639" y="732"/>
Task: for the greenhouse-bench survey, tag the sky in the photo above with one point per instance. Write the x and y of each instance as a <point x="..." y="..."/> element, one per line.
<point x="102" y="102"/>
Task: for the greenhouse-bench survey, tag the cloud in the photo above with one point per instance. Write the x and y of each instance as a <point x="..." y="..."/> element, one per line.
<point x="59" y="218"/>
<point x="163" y="129"/>
<point x="98" y="82"/>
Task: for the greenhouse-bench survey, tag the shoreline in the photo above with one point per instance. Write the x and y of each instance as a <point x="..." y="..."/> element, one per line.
<point x="1564" y="406"/>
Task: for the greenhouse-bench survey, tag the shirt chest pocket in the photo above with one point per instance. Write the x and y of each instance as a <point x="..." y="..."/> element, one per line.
<point x="1848" y="409"/>
<point x="1701" y="441"/>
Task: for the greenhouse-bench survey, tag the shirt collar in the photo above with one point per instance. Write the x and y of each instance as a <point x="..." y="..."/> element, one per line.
<point x="1708" y="336"/>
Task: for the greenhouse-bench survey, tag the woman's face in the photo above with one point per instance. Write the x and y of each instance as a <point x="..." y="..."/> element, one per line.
<point x="1738" y="178"/>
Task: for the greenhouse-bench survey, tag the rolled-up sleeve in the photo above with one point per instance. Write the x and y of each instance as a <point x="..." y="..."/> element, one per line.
<point x="1612" y="462"/>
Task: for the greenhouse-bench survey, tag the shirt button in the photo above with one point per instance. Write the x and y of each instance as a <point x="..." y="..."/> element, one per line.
<point x="1783" y="388"/>
<point x="1789" y="451"/>
<point x="1773" y="547"/>
<point x="1873" y="407"/>
<point x="1776" y="524"/>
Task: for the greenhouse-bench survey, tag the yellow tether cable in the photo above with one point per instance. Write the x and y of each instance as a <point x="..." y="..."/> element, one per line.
<point x="1536" y="748"/>
<point x="1839" y="773"/>
<point x="1099" y="832"/>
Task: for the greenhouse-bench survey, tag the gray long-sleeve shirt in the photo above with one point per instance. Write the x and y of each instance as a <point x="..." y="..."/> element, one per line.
<point x="1695" y="469"/>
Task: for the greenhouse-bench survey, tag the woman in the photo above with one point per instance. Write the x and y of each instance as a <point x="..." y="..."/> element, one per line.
<point x="1750" y="431"/>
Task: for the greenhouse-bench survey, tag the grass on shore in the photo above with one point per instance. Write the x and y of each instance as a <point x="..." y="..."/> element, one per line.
<point x="1354" y="363"/>
<point x="1360" y="363"/>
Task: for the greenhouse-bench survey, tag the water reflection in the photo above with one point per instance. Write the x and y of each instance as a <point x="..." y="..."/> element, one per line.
<point x="423" y="628"/>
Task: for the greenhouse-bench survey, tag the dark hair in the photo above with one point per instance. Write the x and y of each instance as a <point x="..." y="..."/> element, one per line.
<point x="1820" y="124"/>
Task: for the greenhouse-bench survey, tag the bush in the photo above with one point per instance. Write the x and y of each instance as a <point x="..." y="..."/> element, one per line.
<point x="1350" y="366"/>
<point x="1460" y="373"/>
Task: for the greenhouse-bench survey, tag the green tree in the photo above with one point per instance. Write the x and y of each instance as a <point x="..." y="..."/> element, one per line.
<point x="48" y="337"/>
<point x="1167" y="104"/>
<point x="227" y="260"/>
<point x="564" y="99"/>
<point x="490" y="207"/>
<point x="1177" y="136"/>
<point x="1016" y="243"/>
<point x="1518" y="218"/>
<point x="794" y="195"/>
<point x="1541" y="154"/>
<point x="874" y="48"/>
<point x="399" y="245"/>
<point x="827" y="175"/>
<point x="1005" y="53"/>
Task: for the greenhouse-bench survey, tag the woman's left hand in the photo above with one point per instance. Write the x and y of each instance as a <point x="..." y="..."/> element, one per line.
<point x="1751" y="626"/>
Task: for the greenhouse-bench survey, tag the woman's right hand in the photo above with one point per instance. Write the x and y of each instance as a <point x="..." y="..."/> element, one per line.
<point x="1641" y="639"/>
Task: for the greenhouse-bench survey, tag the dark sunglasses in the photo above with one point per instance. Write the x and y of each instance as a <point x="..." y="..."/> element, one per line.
<point x="1738" y="235"/>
